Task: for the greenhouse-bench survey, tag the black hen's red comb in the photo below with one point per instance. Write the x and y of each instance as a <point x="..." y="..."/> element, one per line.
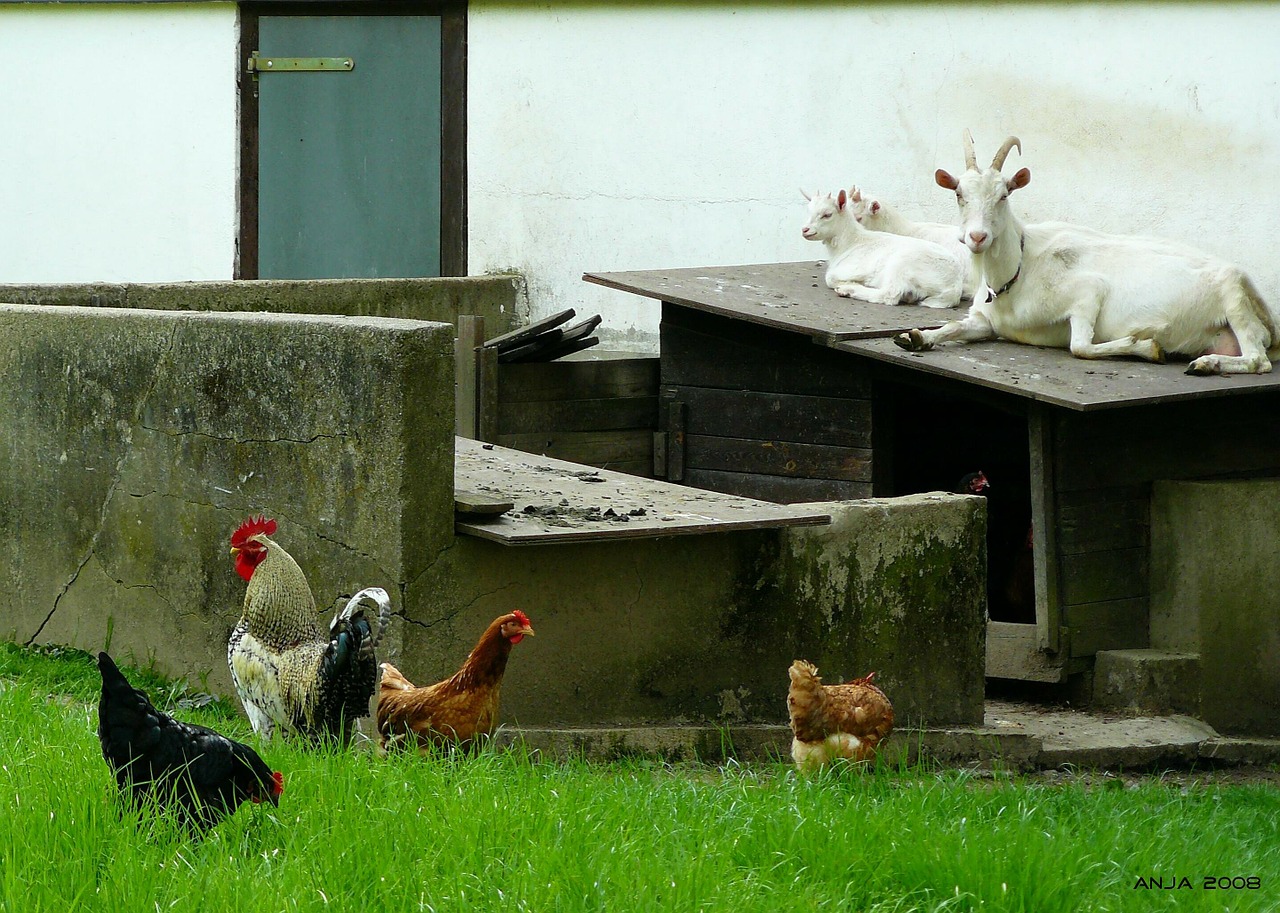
<point x="250" y="528"/>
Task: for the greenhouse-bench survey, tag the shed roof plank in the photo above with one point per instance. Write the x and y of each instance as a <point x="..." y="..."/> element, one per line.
<point x="556" y="501"/>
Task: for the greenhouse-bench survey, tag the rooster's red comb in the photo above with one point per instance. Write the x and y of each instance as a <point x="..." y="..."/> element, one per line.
<point x="250" y="528"/>
<point x="522" y="618"/>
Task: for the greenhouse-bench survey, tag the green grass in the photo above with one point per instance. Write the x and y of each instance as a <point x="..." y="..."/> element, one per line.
<point x="502" y="831"/>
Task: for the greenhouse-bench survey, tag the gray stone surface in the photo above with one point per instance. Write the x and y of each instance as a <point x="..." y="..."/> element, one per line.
<point x="1215" y="590"/>
<point x="1147" y="681"/>
<point x="500" y="299"/>
<point x="135" y="442"/>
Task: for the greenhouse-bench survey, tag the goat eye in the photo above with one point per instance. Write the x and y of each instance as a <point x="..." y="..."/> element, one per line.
<point x="826" y="215"/>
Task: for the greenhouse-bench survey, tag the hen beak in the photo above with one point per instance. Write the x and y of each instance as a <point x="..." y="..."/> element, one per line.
<point x="526" y="630"/>
<point x="235" y="551"/>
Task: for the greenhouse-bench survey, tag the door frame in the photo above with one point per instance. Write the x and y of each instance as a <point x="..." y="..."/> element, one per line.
<point x="453" y="117"/>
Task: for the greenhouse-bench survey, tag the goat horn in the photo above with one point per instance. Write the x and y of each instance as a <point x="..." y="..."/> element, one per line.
<point x="998" y="162"/>
<point x="970" y="159"/>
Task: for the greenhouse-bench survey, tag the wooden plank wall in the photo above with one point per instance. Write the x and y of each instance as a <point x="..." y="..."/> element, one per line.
<point x="599" y="412"/>
<point x="763" y="414"/>
<point x="1104" y="468"/>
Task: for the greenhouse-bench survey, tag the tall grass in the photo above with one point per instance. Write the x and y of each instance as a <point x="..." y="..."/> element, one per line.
<point x="503" y="831"/>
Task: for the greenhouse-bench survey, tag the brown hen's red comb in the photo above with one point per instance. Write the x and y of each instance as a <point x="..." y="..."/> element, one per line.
<point x="522" y="618"/>
<point x="250" y="528"/>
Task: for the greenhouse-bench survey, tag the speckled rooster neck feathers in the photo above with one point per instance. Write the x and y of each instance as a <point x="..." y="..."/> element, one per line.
<point x="278" y="606"/>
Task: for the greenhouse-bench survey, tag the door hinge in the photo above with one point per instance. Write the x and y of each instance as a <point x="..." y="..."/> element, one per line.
<point x="259" y="64"/>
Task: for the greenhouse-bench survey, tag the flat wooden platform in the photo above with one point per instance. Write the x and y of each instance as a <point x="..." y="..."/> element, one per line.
<point x="786" y="296"/>
<point x="1054" y="376"/>
<point x="556" y="501"/>
<point x="794" y="298"/>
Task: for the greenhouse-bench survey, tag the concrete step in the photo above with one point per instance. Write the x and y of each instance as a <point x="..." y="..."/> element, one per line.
<point x="1152" y="682"/>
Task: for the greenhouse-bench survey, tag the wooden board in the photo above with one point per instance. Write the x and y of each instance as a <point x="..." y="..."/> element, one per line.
<point x="1055" y="376"/>
<point x="787" y="296"/>
<point x="773" y="416"/>
<point x="557" y="501"/>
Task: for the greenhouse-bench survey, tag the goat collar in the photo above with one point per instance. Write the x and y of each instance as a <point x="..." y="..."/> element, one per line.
<point x="993" y="295"/>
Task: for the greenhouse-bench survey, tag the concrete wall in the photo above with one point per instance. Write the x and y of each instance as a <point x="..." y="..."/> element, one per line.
<point x="499" y="299"/>
<point x="1215" y="591"/>
<point x="651" y="136"/>
<point x="120" y="152"/>
<point x="133" y="443"/>
<point x="701" y="629"/>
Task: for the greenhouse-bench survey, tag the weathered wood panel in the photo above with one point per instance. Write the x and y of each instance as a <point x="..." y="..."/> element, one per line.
<point x="1053" y="376"/>
<point x="578" y="415"/>
<point x="1103" y="577"/>
<point x="1104" y="526"/>
<point x="560" y="380"/>
<point x="778" y="489"/>
<point x="774" y="416"/>
<point x="1177" y="441"/>
<point x="1013" y="651"/>
<point x="605" y="449"/>
<point x="699" y="350"/>
<point x="779" y="458"/>
<point x="557" y="501"/>
<point x="1120" y="624"/>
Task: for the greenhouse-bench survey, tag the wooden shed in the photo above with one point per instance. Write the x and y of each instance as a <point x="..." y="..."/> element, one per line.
<point x="773" y="387"/>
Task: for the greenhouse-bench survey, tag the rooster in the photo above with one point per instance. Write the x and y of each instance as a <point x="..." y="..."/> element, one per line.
<point x="286" y="669"/>
<point x="834" y="721"/>
<point x="458" y="709"/>
<point x="196" y="771"/>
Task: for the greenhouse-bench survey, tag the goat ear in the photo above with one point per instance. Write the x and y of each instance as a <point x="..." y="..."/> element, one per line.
<point x="842" y="199"/>
<point x="1019" y="180"/>
<point x="875" y="207"/>
<point x="856" y="194"/>
<point x="947" y="181"/>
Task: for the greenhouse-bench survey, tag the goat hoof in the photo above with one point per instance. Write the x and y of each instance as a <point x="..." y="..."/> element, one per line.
<point x="1204" y="367"/>
<point x="912" y="341"/>
<point x="1157" y="353"/>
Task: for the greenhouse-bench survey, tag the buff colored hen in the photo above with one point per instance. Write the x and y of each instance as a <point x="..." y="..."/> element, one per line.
<point x="835" y="721"/>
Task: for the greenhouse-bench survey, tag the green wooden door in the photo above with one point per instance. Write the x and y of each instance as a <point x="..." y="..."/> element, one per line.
<point x="349" y="162"/>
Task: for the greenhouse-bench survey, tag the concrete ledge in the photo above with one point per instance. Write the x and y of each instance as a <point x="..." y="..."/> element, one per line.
<point x="1147" y="681"/>
<point x="500" y="299"/>
<point x="980" y="747"/>
<point x="1241" y="751"/>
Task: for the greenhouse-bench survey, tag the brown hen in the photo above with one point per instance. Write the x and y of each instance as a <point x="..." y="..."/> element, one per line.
<point x="458" y="709"/>
<point x="835" y="721"/>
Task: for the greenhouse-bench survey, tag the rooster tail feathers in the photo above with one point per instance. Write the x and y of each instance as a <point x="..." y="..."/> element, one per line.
<point x="378" y="596"/>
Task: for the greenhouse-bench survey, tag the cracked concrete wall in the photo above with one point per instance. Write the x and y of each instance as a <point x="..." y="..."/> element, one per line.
<point x="501" y="299"/>
<point x="701" y="629"/>
<point x="1215" y="591"/>
<point x="135" y="441"/>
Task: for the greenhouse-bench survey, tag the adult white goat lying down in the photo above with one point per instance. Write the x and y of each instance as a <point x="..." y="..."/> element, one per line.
<point x="1098" y="294"/>
<point x="879" y="267"/>
<point x="874" y="213"/>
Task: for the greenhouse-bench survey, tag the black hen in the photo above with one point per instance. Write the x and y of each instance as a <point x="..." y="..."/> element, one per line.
<point x="196" y="771"/>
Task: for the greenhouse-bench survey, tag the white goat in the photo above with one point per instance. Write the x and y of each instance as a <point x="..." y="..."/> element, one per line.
<point x="877" y="215"/>
<point x="1098" y="294"/>
<point x="878" y="267"/>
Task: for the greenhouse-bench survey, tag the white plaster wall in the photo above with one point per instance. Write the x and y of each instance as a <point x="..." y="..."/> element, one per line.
<point x="118" y="152"/>
<point x="606" y="137"/>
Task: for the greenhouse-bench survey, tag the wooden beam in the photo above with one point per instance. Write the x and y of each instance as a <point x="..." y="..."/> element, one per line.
<point x="1044" y="524"/>
<point x="465" y="349"/>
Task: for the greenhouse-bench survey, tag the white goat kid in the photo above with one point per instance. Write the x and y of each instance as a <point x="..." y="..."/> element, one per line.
<point x="877" y="267"/>
<point x="1098" y="294"/>
<point x="875" y="214"/>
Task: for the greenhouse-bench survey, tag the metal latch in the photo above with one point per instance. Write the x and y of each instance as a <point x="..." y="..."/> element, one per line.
<point x="258" y="64"/>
